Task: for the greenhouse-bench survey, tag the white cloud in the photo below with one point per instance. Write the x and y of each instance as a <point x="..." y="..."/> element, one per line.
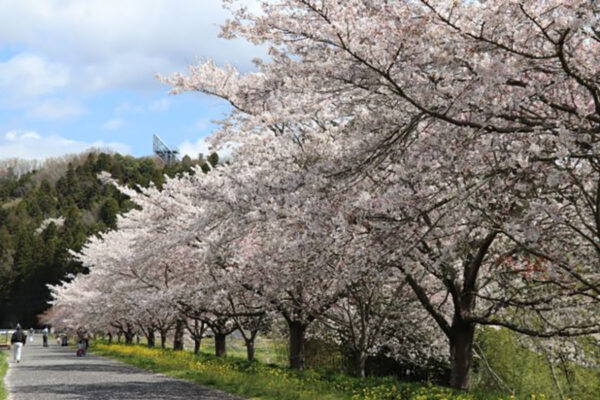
<point x="10" y="136"/>
<point x="115" y="44"/>
<point x="113" y="124"/>
<point x="95" y="54"/>
<point x="27" y="136"/>
<point x="25" y="77"/>
<point x="202" y="146"/>
<point x="194" y="149"/>
<point x="31" y="145"/>
<point x="57" y="109"/>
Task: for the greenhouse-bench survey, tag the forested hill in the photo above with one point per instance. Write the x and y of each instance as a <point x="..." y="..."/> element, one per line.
<point x="46" y="212"/>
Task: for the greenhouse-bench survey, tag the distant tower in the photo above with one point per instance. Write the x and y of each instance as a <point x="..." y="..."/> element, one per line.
<point x="163" y="151"/>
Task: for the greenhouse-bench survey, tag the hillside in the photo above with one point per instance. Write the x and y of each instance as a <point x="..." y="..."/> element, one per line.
<point x="47" y="211"/>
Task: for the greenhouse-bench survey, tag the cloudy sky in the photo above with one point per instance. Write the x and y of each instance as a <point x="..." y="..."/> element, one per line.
<point x="81" y="73"/>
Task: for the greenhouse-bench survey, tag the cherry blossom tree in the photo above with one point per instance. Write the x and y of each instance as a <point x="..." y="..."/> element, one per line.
<point x="437" y="111"/>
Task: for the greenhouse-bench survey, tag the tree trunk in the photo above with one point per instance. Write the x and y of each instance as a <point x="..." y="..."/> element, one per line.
<point x="250" y="348"/>
<point x="360" y="359"/>
<point x="150" y="337"/>
<point x="163" y="339"/>
<point x="119" y="335"/>
<point x="220" y="345"/>
<point x="197" y="342"/>
<point x="461" y="355"/>
<point x="178" y="339"/>
<point x="137" y="338"/>
<point x="196" y="333"/>
<point x="297" y="332"/>
<point x="110" y="338"/>
<point x="129" y="335"/>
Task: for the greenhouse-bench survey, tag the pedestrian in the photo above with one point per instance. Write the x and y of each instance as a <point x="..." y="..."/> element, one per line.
<point x="18" y="340"/>
<point x="82" y="341"/>
<point x="31" y="332"/>
<point x="45" y="336"/>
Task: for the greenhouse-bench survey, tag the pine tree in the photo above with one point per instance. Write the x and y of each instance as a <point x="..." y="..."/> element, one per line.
<point x="108" y="213"/>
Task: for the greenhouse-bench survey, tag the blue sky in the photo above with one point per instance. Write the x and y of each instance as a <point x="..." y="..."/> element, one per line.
<point x="81" y="73"/>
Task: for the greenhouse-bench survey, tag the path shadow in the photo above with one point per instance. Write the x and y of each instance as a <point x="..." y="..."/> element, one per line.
<point x="49" y="355"/>
<point x="165" y="390"/>
<point x="81" y="367"/>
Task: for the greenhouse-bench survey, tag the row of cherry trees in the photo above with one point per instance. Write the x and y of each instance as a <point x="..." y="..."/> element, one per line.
<point x="428" y="165"/>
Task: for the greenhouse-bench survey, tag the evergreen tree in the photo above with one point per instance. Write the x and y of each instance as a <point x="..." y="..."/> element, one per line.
<point x="109" y="212"/>
<point x="46" y="198"/>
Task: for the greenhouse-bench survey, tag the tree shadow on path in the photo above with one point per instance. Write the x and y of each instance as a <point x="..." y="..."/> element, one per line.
<point x="80" y="367"/>
<point x="165" y="390"/>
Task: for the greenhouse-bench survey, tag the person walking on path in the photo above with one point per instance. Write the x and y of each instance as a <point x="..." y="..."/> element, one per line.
<point x="18" y="340"/>
<point x="45" y="336"/>
<point x="82" y="343"/>
<point x="31" y="331"/>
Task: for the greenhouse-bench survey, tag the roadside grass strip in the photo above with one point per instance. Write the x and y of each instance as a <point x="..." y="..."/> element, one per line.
<point x="255" y="380"/>
<point x="3" y="369"/>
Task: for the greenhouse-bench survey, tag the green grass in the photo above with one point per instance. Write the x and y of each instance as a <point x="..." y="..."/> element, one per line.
<point x="526" y="371"/>
<point x="266" y="350"/>
<point x="268" y="381"/>
<point x="3" y="369"/>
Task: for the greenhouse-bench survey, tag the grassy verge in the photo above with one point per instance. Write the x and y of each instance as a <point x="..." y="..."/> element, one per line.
<point x="267" y="350"/>
<point x="3" y="369"/>
<point x="527" y="371"/>
<point x="266" y="381"/>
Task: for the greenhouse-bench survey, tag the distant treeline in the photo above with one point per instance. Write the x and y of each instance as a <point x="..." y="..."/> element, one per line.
<point x="45" y="212"/>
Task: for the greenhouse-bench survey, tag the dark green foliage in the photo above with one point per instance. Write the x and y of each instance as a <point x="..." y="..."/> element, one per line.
<point x="213" y="159"/>
<point x="34" y="252"/>
<point x="109" y="212"/>
<point x="46" y="198"/>
<point x="186" y="162"/>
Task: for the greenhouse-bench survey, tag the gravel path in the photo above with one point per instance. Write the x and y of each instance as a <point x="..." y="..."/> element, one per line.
<point x="55" y="373"/>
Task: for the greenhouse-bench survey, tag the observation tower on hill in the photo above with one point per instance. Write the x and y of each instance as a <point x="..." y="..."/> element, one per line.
<point x="163" y="151"/>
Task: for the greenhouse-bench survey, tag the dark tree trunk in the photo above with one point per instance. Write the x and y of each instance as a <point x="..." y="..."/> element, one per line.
<point x="137" y="338"/>
<point x="461" y="332"/>
<point x="250" y="348"/>
<point x="178" y="339"/>
<point x="360" y="360"/>
<point x="196" y="332"/>
<point x="297" y="332"/>
<point x="220" y="345"/>
<point x="461" y="355"/>
<point x="110" y="338"/>
<point x="197" y="342"/>
<point x="129" y="334"/>
<point x="150" y="337"/>
<point x="119" y="335"/>
<point x="163" y="339"/>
